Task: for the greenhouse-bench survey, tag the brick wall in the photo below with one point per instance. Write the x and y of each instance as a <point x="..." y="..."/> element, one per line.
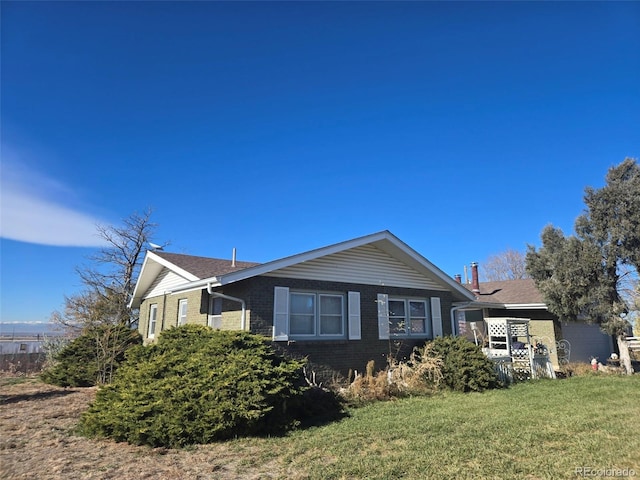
<point x="167" y="313"/>
<point x="333" y="358"/>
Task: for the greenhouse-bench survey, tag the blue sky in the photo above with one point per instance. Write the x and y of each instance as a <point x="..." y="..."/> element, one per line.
<point x="275" y="128"/>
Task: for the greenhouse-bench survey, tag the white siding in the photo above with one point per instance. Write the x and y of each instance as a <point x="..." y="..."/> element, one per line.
<point x="365" y="265"/>
<point x="163" y="282"/>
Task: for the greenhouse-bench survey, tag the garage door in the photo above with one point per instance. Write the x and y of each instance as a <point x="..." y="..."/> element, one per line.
<point x="587" y="341"/>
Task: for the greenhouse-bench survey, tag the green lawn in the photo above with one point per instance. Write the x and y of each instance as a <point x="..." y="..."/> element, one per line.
<point x="542" y="429"/>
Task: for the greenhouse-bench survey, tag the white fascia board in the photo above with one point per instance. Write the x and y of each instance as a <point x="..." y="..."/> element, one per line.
<point x="405" y="253"/>
<point x="506" y="306"/>
<point x="280" y="263"/>
<point x="525" y="306"/>
<point x="301" y="258"/>
<point x="384" y="240"/>
<point x="476" y="305"/>
<point x="143" y="270"/>
<point x="174" y="268"/>
<point x="151" y="268"/>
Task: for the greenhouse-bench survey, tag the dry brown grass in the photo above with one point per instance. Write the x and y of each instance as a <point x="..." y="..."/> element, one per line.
<point x="37" y="422"/>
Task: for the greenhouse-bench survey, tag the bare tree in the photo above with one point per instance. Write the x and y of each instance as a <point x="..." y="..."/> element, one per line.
<point x="111" y="278"/>
<point x="507" y="265"/>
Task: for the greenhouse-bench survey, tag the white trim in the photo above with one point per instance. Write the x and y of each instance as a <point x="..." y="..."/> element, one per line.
<point x="151" y="268"/>
<point x="171" y="266"/>
<point x="522" y="306"/>
<point x="182" y="316"/>
<point x="407" y="333"/>
<point x="153" y="308"/>
<point x="317" y="315"/>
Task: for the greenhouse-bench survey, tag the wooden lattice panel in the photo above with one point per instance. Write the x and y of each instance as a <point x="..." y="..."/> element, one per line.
<point x="498" y="329"/>
<point x="519" y="330"/>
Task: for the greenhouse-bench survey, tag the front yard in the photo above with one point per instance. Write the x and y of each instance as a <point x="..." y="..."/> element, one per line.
<point x="544" y="429"/>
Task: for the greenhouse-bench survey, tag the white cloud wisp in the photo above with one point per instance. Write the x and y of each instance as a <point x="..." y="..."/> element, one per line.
<point x="27" y="215"/>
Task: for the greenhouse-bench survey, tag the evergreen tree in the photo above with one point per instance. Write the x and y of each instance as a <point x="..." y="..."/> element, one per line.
<point x="581" y="277"/>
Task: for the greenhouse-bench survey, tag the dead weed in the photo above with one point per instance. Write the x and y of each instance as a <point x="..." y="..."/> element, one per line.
<point x="38" y="441"/>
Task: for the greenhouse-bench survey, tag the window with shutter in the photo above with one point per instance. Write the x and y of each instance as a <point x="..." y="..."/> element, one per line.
<point x="407" y="317"/>
<point x="307" y="315"/>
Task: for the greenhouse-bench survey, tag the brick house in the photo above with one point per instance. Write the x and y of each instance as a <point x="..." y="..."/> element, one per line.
<point x="340" y="306"/>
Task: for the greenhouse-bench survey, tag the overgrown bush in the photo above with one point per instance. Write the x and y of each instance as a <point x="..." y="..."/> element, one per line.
<point x="464" y="367"/>
<point x="92" y="358"/>
<point x="367" y="387"/>
<point x="198" y="385"/>
<point x="420" y="375"/>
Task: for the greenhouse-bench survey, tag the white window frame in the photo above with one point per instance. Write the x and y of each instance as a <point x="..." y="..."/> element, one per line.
<point x="407" y="333"/>
<point x="317" y="314"/>
<point x="182" y="311"/>
<point x="153" y="320"/>
<point x="215" y="312"/>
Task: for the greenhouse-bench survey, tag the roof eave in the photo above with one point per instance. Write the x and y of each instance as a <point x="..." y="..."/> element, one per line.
<point x="151" y="267"/>
<point x="525" y="306"/>
<point x="383" y="238"/>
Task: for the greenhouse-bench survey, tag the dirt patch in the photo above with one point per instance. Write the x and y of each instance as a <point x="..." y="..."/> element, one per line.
<point x="37" y="422"/>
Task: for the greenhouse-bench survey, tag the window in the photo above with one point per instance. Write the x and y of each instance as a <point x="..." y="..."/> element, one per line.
<point x="316" y="314"/>
<point x="153" y="313"/>
<point x="215" y="312"/>
<point x="409" y="317"/>
<point x="182" y="311"/>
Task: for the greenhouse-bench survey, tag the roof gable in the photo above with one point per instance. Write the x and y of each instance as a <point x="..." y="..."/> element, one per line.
<point x="384" y="242"/>
<point x="366" y="264"/>
<point x="162" y="271"/>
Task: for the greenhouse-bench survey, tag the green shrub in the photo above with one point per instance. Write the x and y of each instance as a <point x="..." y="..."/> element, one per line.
<point x="464" y="367"/>
<point x="198" y="385"/>
<point x="92" y="358"/>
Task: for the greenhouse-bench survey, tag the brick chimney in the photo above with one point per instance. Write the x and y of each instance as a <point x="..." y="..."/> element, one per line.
<point x="475" y="282"/>
<point x="458" y="278"/>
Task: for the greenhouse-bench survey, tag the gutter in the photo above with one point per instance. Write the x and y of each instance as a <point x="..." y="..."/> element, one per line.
<point x="243" y="316"/>
<point x="470" y="306"/>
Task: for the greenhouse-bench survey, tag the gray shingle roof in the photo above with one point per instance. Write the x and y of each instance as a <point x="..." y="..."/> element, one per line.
<point x="204" y="267"/>
<point x="510" y="291"/>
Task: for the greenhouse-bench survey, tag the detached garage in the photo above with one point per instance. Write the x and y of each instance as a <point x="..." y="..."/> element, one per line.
<point x="587" y="341"/>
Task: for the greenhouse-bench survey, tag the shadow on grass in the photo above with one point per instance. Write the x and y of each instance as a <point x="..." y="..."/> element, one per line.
<point x="28" y="397"/>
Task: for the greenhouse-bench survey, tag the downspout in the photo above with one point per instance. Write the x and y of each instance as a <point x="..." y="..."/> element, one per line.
<point x="243" y="316"/>
<point x="164" y="308"/>
<point x="454" y="330"/>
